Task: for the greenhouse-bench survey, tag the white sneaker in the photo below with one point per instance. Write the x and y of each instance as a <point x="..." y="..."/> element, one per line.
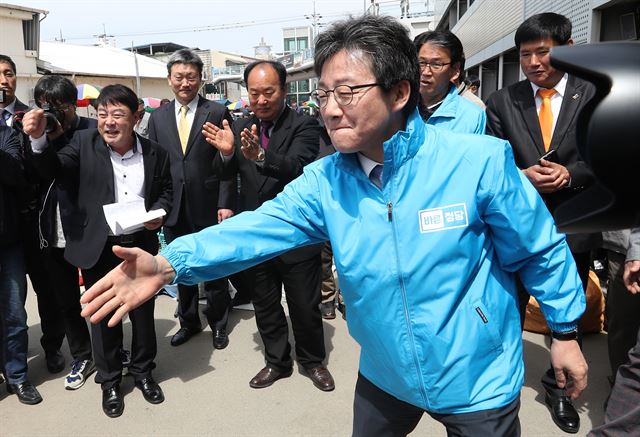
<point x="80" y="371"/>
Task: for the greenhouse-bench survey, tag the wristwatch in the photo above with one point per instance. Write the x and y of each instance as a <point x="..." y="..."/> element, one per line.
<point x="566" y="335"/>
<point x="260" y="157"/>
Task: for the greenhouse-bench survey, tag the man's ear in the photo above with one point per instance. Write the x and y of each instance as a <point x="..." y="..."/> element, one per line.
<point x="401" y="93"/>
<point x="456" y="68"/>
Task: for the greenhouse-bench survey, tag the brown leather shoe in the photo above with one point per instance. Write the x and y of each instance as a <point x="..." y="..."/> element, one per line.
<point x="267" y="376"/>
<point x="321" y="378"/>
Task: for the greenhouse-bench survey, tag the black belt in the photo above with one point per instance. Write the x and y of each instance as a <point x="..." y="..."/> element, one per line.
<point x="126" y="239"/>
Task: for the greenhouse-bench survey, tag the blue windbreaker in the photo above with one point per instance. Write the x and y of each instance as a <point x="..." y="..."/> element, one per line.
<point x="459" y="114"/>
<point x="425" y="264"/>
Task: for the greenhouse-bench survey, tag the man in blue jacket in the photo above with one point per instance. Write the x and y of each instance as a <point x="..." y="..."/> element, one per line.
<point x="441" y="60"/>
<point x="428" y="228"/>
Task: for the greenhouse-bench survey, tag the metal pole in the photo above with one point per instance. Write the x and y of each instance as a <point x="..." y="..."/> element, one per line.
<point x="135" y="60"/>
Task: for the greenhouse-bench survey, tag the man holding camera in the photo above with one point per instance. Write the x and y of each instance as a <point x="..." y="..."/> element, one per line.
<point x="56" y="95"/>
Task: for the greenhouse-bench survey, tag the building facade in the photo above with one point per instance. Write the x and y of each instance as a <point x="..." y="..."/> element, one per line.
<point x="487" y="28"/>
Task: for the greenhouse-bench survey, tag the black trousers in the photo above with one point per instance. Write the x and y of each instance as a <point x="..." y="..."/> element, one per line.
<point x="377" y="413"/>
<point x="108" y="341"/>
<point x="216" y="292"/>
<point x="302" y="287"/>
<point x="64" y="284"/>
<point x="51" y="322"/>
<point x="583" y="262"/>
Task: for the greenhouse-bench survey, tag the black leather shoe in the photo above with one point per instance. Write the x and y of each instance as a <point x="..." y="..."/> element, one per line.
<point x="183" y="335"/>
<point x="563" y="413"/>
<point x="220" y="339"/>
<point x="55" y="361"/>
<point x="321" y="378"/>
<point x="112" y="401"/>
<point x="26" y="392"/>
<point x="267" y="376"/>
<point x="150" y="390"/>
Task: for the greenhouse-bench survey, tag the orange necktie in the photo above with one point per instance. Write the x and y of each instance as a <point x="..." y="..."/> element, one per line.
<point x="546" y="116"/>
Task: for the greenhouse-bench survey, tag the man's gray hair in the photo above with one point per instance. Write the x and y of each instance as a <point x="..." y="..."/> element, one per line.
<point x="185" y="56"/>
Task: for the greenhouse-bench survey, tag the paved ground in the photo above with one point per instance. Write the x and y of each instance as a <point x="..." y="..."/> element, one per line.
<point x="207" y="391"/>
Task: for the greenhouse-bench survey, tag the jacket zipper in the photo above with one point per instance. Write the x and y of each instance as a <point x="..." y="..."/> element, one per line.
<point x="405" y="306"/>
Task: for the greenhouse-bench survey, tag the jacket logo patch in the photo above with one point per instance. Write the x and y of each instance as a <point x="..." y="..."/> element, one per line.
<point x="443" y="218"/>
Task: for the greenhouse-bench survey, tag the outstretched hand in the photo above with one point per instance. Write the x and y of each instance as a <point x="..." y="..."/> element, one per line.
<point x="136" y="280"/>
<point x="221" y="139"/>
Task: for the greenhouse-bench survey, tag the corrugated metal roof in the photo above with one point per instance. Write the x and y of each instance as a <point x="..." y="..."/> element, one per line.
<point x="97" y="61"/>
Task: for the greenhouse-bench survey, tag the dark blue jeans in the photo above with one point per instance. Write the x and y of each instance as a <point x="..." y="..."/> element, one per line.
<point x="13" y="316"/>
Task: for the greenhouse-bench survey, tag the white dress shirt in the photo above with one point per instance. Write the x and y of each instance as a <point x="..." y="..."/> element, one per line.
<point x="556" y="99"/>
<point x="191" y="112"/>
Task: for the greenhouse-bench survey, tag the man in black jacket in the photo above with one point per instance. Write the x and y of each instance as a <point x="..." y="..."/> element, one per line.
<point x="105" y="166"/>
<point x="59" y="303"/>
<point x="13" y="283"/>
<point x="200" y="200"/>
<point x="269" y="150"/>
<point x="538" y="117"/>
<point x="50" y="321"/>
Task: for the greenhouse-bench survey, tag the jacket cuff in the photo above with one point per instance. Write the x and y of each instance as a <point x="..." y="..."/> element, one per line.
<point x="177" y="261"/>
<point x="563" y="327"/>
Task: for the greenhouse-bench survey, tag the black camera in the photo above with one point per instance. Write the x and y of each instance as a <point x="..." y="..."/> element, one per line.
<point x="53" y="116"/>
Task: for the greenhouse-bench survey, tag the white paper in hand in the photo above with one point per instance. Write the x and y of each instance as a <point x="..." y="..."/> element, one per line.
<point x="128" y="217"/>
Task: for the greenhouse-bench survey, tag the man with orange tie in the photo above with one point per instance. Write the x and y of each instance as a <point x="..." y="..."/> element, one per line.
<point x="538" y="117"/>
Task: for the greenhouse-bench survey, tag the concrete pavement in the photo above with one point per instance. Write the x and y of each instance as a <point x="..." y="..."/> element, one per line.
<point x="207" y="391"/>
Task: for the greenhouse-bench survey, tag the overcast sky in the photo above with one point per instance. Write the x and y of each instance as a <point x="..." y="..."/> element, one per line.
<point x="181" y="21"/>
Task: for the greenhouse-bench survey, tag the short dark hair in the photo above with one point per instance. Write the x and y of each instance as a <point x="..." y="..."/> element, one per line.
<point x="543" y="26"/>
<point x="385" y="44"/>
<point x="444" y="39"/>
<point x="185" y="56"/>
<point x="118" y="95"/>
<point x="278" y="66"/>
<point x="56" y="90"/>
<point x="8" y="60"/>
<point x="472" y="80"/>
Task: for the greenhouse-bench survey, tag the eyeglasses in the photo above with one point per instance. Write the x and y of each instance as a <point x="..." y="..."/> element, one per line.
<point x="343" y="94"/>
<point x="433" y="66"/>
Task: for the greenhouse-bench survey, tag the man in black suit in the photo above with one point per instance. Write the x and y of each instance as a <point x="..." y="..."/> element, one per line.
<point x="196" y="205"/>
<point x="269" y="150"/>
<point x="538" y="117"/>
<point x="50" y="319"/>
<point x="103" y="166"/>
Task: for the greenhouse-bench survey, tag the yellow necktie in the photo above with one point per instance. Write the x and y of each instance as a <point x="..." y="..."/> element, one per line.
<point x="183" y="128"/>
<point x="546" y="116"/>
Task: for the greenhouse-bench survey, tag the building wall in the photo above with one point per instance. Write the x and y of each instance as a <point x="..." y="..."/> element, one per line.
<point x="487" y="30"/>
<point x="12" y="45"/>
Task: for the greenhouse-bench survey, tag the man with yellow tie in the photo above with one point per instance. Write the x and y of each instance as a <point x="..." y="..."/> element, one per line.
<point x="538" y="117"/>
<point x="199" y="199"/>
